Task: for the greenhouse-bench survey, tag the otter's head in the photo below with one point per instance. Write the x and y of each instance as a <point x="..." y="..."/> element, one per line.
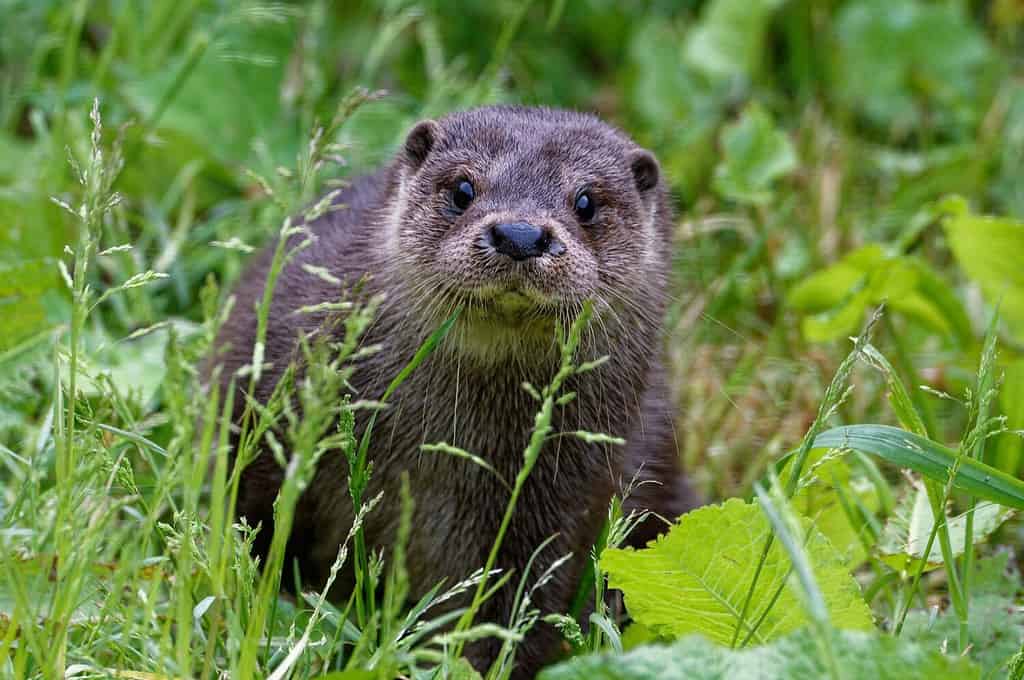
<point x="521" y="215"/>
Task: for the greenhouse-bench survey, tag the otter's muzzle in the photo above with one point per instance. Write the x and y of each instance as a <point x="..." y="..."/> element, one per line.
<point x="522" y="240"/>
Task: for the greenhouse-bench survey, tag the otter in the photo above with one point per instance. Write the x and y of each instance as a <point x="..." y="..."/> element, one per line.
<point x="520" y="215"/>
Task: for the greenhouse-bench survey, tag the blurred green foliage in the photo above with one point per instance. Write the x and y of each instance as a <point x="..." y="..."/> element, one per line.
<point x="825" y="157"/>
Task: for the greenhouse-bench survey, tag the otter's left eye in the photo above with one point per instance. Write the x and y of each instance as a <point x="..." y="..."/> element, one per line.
<point x="585" y="207"/>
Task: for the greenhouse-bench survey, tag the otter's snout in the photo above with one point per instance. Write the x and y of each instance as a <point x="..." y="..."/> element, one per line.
<point x="522" y="240"/>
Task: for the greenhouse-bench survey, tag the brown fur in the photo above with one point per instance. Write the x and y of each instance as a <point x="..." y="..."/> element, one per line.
<point x="397" y="227"/>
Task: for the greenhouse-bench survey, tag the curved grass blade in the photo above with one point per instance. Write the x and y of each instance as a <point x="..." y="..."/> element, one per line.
<point x="931" y="459"/>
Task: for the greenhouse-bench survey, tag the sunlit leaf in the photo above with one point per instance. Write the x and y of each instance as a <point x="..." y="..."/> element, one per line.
<point x="1010" y="445"/>
<point x="694" y="578"/>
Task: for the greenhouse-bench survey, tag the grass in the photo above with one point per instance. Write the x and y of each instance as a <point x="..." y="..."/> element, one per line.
<point x="147" y="148"/>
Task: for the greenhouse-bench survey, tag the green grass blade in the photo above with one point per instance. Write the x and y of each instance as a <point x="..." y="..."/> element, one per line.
<point x="931" y="459"/>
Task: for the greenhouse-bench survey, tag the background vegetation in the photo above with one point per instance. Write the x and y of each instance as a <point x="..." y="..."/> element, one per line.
<point x="826" y="157"/>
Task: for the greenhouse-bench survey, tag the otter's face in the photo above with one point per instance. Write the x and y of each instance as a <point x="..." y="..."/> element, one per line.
<point x="521" y="216"/>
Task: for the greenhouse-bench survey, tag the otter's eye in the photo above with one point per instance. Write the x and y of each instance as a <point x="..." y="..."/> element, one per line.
<point x="585" y="207"/>
<point x="462" y="195"/>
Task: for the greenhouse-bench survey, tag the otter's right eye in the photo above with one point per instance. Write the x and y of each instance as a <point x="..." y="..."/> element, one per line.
<point x="462" y="195"/>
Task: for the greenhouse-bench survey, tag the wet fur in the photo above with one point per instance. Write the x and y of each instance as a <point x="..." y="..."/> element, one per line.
<point x="393" y="226"/>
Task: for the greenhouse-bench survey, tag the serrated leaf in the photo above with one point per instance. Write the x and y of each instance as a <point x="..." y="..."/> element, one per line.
<point x="933" y="460"/>
<point x="861" y="656"/>
<point x="694" y="578"/>
<point x="637" y="634"/>
<point x="755" y="155"/>
<point x="941" y="296"/>
<point x="906" y="533"/>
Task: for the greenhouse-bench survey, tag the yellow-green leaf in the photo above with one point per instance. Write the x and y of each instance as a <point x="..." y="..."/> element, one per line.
<point x="694" y="579"/>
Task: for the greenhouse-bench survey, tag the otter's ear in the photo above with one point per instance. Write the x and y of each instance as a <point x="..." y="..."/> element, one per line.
<point x="420" y="141"/>
<point x="645" y="170"/>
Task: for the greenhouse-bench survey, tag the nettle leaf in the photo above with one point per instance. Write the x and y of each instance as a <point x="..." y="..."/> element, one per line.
<point x="637" y="635"/>
<point x="754" y="155"/>
<point x="905" y="536"/>
<point x="997" y="622"/>
<point x="135" y="364"/>
<point x="861" y="656"/>
<point x="990" y="250"/>
<point x="841" y="322"/>
<point x="694" y="578"/>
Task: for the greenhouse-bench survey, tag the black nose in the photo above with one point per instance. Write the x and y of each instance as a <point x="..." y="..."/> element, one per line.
<point x="520" y="240"/>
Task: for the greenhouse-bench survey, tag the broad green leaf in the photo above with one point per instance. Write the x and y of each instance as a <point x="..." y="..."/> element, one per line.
<point x="909" y="286"/>
<point x="637" y="634"/>
<point x="694" y="578"/>
<point x="860" y="656"/>
<point x="755" y="155"/>
<point x="906" y="532"/>
<point x="990" y="250"/>
<point x="931" y="459"/>
<point x="135" y="365"/>
<point x="249" y="105"/>
<point x="941" y="297"/>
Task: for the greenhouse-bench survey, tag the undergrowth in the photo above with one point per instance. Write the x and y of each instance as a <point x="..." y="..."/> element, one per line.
<point x="845" y="341"/>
